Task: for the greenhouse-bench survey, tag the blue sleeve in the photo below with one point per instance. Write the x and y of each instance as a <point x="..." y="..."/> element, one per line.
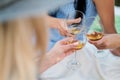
<point x="53" y="12"/>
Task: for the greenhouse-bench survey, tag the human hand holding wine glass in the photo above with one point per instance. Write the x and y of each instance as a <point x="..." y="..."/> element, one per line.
<point x="95" y="35"/>
<point x="80" y="40"/>
<point x="73" y="27"/>
<point x="62" y="28"/>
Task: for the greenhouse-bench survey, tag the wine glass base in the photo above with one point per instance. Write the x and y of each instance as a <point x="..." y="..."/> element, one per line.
<point x="73" y="65"/>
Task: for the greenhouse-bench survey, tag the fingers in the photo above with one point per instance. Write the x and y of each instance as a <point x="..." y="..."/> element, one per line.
<point x="70" y="46"/>
<point x="63" y="26"/>
<point x="70" y="52"/>
<point x="99" y="44"/>
<point x="63" y="32"/>
<point x="92" y="42"/>
<point x="69" y="35"/>
<point x="69" y="22"/>
<point x="68" y="40"/>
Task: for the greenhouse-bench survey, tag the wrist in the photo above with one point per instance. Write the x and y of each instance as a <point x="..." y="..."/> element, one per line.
<point x="118" y="39"/>
<point x="55" y="56"/>
<point x="52" y="22"/>
<point x="47" y="62"/>
<point x="116" y="51"/>
<point x="52" y="57"/>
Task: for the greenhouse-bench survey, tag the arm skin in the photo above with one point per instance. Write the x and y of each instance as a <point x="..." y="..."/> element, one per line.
<point x="60" y="24"/>
<point x="107" y="43"/>
<point x="105" y="10"/>
<point x="60" y="50"/>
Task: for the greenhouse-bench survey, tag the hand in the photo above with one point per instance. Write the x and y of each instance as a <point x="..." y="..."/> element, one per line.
<point x="60" y="24"/>
<point x="63" y="49"/>
<point x="116" y="51"/>
<point x="109" y="41"/>
<point x="62" y="27"/>
<point x="57" y="53"/>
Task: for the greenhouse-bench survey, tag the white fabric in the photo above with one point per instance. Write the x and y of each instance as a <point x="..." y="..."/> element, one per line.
<point x="91" y="68"/>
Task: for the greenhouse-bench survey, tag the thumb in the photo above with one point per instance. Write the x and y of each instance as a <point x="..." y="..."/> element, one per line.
<point x="97" y="42"/>
<point x="69" y="47"/>
<point x="66" y="40"/>
<point x="69" y="22"/>
<point x="101" y="41"/>
<point x="92" y="42"/>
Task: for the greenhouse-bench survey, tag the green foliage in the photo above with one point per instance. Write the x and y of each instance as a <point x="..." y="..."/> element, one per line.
<point x="117" y="24"/>
<point x="117" y="2"/>
<point x="95" y="26"/>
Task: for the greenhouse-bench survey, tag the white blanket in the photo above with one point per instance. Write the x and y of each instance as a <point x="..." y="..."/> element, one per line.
<point x="91" y="68"/>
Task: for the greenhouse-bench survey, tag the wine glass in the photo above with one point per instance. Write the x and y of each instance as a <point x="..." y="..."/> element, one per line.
<point x="80" y="40"/>
<point x="96" y="33"/>
<point x="74" y="28"/>
<point x="78" y="31"/>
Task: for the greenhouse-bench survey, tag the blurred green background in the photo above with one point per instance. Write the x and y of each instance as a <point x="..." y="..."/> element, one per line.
<point x="117" y="2"/>
<point x="117" y="19"/>
<point x="117" y="24"/>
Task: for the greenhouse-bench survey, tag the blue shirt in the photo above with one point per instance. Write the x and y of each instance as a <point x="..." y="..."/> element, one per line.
<point x="54" y="35"/>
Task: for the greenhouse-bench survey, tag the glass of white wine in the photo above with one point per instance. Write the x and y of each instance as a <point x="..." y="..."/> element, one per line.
<point x="75" y="27"/>
<point x="96" y="33"/>
<point x="77" y="30"/>
<point x="80" y="41"/>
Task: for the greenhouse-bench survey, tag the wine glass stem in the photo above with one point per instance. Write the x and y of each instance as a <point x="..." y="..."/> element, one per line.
<point x="75" y="59"/>
<point x="75" y="56"/>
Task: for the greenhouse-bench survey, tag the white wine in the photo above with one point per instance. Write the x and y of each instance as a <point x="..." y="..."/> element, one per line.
<point x="78" y="43"/>
<point x="74" y="31"/>
<point x="95" y="36"/>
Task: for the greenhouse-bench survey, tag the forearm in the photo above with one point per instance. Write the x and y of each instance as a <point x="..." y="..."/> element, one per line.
<point x="116" y="51"/>
<point x="105" y="10"/>
<point x="48" y="61"/>
<point x="52" y="21"/>
<point x="117" y="41"/>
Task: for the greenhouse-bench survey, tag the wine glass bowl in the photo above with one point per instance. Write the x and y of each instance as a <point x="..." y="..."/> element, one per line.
<point x="81" y="39"/>
<point x="74" y="30"/>
<point x="94" y="36"/>
<point x="74" y="26"/>
<point x="80" y="45"/>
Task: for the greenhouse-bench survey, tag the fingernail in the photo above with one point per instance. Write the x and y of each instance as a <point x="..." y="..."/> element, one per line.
<point x="79" y="19"/>
<point x="75" y="43"/>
